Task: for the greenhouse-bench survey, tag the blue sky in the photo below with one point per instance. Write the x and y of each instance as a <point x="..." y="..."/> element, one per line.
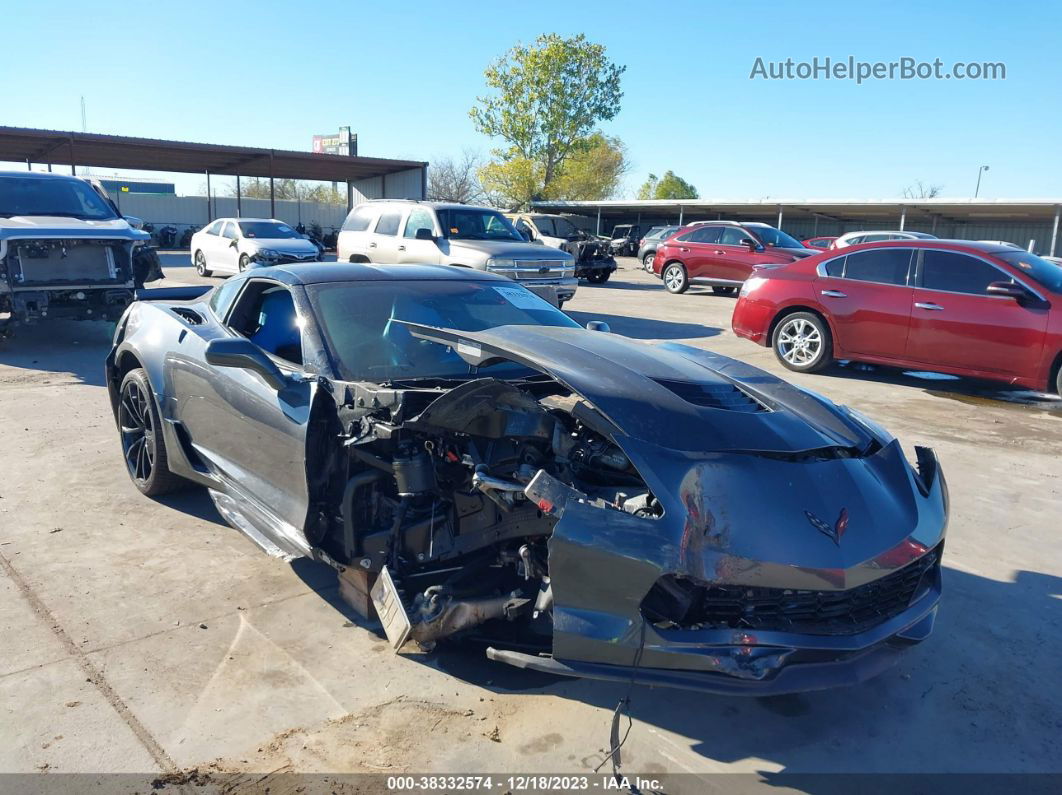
<point x="404" y="75"/>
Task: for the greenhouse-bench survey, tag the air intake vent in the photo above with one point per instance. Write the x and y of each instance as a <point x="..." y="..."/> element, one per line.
<point x="191" y="316"/>
<point x="714" y="396"/>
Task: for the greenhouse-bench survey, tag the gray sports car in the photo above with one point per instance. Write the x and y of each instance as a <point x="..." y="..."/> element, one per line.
<point x="474" y="463"/>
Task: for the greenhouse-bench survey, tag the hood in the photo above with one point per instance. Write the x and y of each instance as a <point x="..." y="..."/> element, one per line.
<point x="670" y="395"/>
<point x="21" y="226"/>
<point x="290" y="244"/>
<point x="515" y="249"/>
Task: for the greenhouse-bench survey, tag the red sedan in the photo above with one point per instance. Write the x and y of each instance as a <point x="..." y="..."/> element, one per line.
<point x="950" y="306"/>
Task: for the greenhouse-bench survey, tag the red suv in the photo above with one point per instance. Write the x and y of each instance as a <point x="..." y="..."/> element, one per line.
<point x="722" y="254"/>
<point x="951" y="306"/>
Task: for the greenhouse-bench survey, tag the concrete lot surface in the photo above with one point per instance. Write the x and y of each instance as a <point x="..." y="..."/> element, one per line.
<point x="146" y="635"/>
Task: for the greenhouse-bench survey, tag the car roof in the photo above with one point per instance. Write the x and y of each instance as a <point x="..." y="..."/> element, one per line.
<point x="984" y="248"/>
<point x="885" y="232"/>
<point x="331" y="272"/>
<point x="40" y="175"/>
<point x="436" y="205"/>
<point x="244" y="218"/>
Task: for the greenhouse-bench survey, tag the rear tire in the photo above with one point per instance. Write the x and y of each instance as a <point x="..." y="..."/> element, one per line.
<point x="802" y="343"/>
<point x="598" y="277"/>
<point x="723" y="290"/>
<point x="200" y="265"/>
<point x="1058" y="381"/>
<point x="675" y="278"/>
<point x="143" y="445"/>
<point x="245" y="261"/>
<point x="647" y="261"/>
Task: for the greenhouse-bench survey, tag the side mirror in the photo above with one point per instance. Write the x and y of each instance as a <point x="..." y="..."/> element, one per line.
<point x="1008" y="289"/>
<point x="597" y="325"/>
<point x="234" y="243"/>
<point x="752" y="244"/>
<point x="424" y="234"/>
<point x="244" y="354"/>
<point x="525" y="234"/>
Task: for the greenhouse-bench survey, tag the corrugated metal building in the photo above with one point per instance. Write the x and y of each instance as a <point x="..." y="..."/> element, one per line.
<point x="1020" y="221"/>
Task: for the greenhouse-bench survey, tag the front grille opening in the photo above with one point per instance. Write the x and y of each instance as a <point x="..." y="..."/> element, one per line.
<point x="716" y="396"/>
<point x="683" y="603"/>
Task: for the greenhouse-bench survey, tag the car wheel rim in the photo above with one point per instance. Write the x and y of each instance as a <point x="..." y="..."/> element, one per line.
<point x="648" y="262"/>
<point x="799" y="342"/>
<point x="138" y="432"/>
<point x="673" y="278"/>
<point x="200" y="263"/>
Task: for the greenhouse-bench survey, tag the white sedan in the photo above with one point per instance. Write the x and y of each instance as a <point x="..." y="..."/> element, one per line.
<point x="232" y="245"/>
<point x="854" y="238"/>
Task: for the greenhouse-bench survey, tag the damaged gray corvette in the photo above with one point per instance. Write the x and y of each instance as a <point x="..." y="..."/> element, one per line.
<point x="473" y="463"/>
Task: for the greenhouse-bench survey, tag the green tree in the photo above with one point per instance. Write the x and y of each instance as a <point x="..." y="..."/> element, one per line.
<point x="258" y="188"/>
<point x="547" y="98"/>
<point x="593" y="172"/>
<point x="670" y="186"/>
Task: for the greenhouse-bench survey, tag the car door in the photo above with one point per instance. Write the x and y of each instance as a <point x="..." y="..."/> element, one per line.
<point x="252" y="435"/>
<point x="411" y="250"/>
<point x="731" y="255"/>
<point x="383" y="247"/>
<point x="867" y="296"/>
<point x="956" y="323"/>
<point x="228" y="252"/>
<point x="354" y="237"/>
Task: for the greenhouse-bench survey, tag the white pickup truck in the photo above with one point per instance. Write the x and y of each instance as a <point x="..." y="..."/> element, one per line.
<point x="66" y="251"/>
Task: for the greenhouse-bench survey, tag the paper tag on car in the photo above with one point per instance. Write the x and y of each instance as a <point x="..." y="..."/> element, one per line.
<point x="469" y="348"/>
<point x="519" y="297"/>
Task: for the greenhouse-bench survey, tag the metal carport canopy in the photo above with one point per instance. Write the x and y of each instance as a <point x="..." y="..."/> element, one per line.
<point x="23" y="145"/>
<point x="840" y="209"/>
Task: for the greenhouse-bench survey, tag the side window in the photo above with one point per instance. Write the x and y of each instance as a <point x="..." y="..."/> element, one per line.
<point x="835" y="267"/>
<point x="221" y="299"/>
<point x="687" y="237"/>
<point x="419" y="218"/>
<point x="733" y="235"/>
<point x="707" y="234"/>
<point x="882" y="265"/>
<point x="524" y="228"/>
<point x="545" y="226"/>
<point x="854" y="241"/>
<point x="957" y="273"/>
<point x="359" y="219"/>
<point x="388" y="223"/>
<point x="214" y="228"/>
<point x="266" y="315"/>
<point x="877" y="238"/>
<point x="229" y="230"/>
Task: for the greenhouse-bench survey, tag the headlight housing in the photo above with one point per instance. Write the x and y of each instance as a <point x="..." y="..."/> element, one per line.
<point x="500" y="263"/>
<point x="267" y="254"/>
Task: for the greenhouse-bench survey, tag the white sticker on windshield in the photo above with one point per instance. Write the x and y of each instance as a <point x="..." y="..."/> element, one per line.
<point x="520" y="297"/>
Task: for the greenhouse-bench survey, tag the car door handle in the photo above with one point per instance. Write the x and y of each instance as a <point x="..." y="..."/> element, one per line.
<point x="834" y="294"/>
<point x="684" y="250"/>
<point x="933" y="307"/>
<point x="719" y="251"/>
<point x="401" y="248"/>
<point x="372" y="245"/>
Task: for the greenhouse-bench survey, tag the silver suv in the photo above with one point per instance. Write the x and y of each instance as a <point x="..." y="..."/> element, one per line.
<point x="412" y="232"/>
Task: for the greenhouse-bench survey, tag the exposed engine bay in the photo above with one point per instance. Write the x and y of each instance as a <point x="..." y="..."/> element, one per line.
<point x="452" y="505"/>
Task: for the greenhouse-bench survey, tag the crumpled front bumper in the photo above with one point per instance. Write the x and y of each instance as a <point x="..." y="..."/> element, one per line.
<point x="724" y="527"/>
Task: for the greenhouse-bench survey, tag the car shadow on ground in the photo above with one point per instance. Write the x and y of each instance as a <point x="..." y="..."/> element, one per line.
<point x="974" y="697"/>
<point x="613" y="284"/>
<point x="972" y="391"/>
<point x="76" y="347"/>
<point x="641" y="328"/>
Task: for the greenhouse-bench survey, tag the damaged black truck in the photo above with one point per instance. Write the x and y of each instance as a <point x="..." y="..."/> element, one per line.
<point x="66" y="251"/>
<point x="474" y="463"/>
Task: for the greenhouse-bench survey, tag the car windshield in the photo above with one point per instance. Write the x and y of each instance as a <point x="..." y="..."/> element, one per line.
<point x="1047" y="274"/>
<point x="269" y="230"/>
<point x="662" y="232"/>
<point x="775" y="238"/>
<point x="363" y="324"/>
<point x="69" y="198"/>
<point x="472" y="224"/>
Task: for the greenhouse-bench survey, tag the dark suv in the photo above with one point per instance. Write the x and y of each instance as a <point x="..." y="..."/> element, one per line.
<point x="722" y="254"/>
<point x="625" y="239"/>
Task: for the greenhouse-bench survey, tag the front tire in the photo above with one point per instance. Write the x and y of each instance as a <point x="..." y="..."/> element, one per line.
<point x="802" y="343"/>
<point x="143" y="445"/>
<point x="598" y="277"/>
<point x="245" y="262"/>
<point x="723" y="290"/>
<point x="675" y="278"/>
<point x="200" y="264"/>
<point x="647" y="261"/>
<point x="1058" y="382"/>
